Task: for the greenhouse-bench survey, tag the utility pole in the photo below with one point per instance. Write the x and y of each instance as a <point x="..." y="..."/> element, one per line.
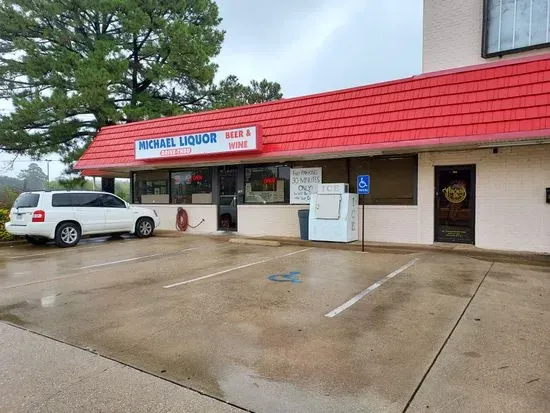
<point x="48" y="168"/>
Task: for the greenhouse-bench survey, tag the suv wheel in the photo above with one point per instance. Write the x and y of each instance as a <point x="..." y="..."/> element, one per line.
<point x="67" y="235"/>
<point x="144" y="227"/>
<point x="36" y="240"/>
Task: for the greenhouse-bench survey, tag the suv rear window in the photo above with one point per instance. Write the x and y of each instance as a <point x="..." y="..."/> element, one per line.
<point x="27" y="200"/>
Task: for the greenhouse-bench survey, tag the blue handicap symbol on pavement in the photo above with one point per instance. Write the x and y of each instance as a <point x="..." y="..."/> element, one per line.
<point x="290" y="277"/>
<point x="363" y="184"/>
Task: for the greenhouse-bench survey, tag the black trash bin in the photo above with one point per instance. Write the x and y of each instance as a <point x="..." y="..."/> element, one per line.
<point x="303" y="217"/>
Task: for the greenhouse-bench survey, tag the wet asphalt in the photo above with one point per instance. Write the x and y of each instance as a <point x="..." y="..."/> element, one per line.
<point x="247" y="324"/>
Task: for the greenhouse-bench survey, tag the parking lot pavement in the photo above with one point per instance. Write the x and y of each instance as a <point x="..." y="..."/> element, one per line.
<point x="498" y="359"/>
<point x="292" y="328"/>
<point x="38" y="374"/>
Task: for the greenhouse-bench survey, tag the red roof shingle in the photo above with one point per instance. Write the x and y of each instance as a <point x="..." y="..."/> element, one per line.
<point x="509" y="100"/>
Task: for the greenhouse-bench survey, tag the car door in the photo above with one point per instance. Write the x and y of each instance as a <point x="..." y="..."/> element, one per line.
<point x="118" y="217"/>
<point x="89" y="212"/>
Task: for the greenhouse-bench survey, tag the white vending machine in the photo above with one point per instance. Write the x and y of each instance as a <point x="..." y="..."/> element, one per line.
<point x="333" y="214"/>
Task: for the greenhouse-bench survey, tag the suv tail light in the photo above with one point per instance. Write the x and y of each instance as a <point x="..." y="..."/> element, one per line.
<point x="38" y="216"/>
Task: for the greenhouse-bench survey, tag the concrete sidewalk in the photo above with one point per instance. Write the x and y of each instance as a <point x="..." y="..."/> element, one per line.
<point x="38" y="374"/>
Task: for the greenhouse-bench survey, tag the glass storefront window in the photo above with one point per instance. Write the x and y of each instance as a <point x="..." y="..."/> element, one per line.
<point x="393" y="179"/>
<point x="335" y="171"/>
<point x="393" y="182"/>
<point x="267" y="184"/>
<point x="192" y="186"/>
<point x="151" y="187"/>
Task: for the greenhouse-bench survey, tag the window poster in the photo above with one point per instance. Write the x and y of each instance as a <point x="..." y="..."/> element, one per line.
<point x="303" y="183"/>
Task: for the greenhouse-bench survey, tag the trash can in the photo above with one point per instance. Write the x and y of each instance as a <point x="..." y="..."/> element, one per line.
<point x="303" y="217"/>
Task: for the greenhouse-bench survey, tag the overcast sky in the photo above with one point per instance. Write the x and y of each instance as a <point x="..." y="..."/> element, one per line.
<point x="311" y="46"/>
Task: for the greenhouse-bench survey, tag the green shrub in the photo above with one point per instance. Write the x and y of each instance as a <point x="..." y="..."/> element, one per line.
<point x="8" y="197"/>
<point x="4" y="217"/>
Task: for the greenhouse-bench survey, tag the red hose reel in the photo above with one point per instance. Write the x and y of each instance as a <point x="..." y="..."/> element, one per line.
<point x="182" y="219"/>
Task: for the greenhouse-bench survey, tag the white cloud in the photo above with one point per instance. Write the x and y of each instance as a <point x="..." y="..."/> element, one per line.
<point x="311" y="46"/>
<point x="299" y="37"/>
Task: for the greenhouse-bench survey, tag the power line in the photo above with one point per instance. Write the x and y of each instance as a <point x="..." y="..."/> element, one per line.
<point x="40" y="160"/>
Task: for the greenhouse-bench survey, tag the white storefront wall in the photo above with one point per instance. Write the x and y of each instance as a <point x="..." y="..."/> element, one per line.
<point x="452" y="35"/>
<point x="392" y="223"/>
<point x="196" y="213"/>
<point x="511" y="212"/>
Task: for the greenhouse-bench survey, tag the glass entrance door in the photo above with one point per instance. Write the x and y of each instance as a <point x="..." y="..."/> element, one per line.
<point x="227" y="202"/>
<point x="455" y="204"/>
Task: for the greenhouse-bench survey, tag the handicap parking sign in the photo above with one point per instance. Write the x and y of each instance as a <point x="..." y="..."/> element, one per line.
<point x="363" y="184"/>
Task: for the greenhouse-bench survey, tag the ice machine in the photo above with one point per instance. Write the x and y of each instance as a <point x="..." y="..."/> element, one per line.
<point x="333" y="214"/>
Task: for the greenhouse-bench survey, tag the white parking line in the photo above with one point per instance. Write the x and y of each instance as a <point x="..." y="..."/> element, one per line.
<point x="235" y="268"/>
<point x="62" y="277"/>
<point x="78" y="274"/>
<point x="103" y="264"/>
<point x="13" y="257"/>
<point x="59" y="251"/>
<point x="366" y="291"/>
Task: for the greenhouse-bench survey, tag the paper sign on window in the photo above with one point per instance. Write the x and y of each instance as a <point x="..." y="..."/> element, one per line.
<point x="303" y="183"/>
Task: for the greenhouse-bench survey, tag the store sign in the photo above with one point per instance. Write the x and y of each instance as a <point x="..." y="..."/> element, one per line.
<point x="455" y="192"/>
<point x="202" y="143"/>
<point x="303" y="183"/>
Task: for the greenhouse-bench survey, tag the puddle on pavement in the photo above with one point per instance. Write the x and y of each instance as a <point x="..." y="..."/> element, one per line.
<point x="452" y="287"/>
<point x="121" y="286"/>
<point x="303" y="358"/>
<point x="11" y="318"/>
<point x="506" y="276"/>
<point x="472" y="354"/>
<point x="16" y="306"/>
<point x="189" y="370"/>
<point x="248" y="388"/>
<point x="7" y="312"/>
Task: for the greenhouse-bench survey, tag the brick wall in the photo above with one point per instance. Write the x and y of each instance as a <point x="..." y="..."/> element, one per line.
<point x="452" y="35"/>
<point x="511" y="213"/>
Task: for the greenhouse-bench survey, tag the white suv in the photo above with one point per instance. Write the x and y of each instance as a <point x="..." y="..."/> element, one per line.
<point x="65" y="216"/>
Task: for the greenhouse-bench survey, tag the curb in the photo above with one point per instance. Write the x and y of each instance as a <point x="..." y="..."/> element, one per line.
<point x="252" y="241"/>
<point x="12" y="243"/>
